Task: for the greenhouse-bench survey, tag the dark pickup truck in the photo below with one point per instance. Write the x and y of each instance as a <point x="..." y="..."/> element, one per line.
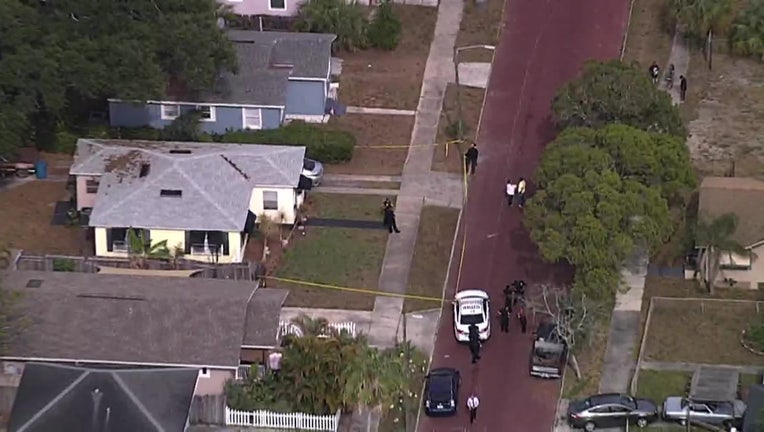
<point x="549" y="354"/>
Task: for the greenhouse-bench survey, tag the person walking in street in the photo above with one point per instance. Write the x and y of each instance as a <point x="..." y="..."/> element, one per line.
<point x="521" y="192"/>
<point x="522" y="318"/>
<point x="472" y="404"/>
<point x="510" y="191"/>
<point x="682" y="88"/>
<point x="508" y="297"/>
<point x="470" y="159"/>
<point x="389" y="219"/>
<point x="504" y="319"/>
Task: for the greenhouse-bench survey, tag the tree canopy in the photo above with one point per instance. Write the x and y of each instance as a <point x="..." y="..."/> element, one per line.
<point x="747" y="33"/>
<point x="601" y="193"/>
<point x="613" y="92"/>
<point x="701" y="18"/>
<point x="57" y="57"/>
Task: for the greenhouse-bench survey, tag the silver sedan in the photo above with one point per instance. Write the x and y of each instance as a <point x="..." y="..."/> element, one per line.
<point x="718" y="413"/>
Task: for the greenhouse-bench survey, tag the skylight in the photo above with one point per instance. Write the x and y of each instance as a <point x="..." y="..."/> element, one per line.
<point x="173" y="193"/>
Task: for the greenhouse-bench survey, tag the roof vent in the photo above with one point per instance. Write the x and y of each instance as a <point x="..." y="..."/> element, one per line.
<point x="180" y="151"/>
<point x="174" y="193"/>
<point x="144" y="170"/>
<point x="34" y="283"/>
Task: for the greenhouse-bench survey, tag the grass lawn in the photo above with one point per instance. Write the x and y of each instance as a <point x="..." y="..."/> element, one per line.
<point x="650" y="34"/>
<point x="590" y="359"/>
<point x="26" y="213"/>
<point x="684" y="331"/>
<point x="373" y="130"/>
<point x="656" y="286"/>
<point x="391" y="79"/>
<point x="345" y="206"/>
<point x="431" y="256"/>
<point x="658" y="385"/>
<point x="472" y="104"/>
<point x="480" y="26"/>
<point x="335" y="256"/>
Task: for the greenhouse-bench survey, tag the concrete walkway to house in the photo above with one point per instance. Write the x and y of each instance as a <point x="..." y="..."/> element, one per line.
<point x="379" y="111"/>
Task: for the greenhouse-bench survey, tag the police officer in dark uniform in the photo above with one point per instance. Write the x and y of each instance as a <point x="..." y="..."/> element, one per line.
<point x="504" y="319"/>
<point x="474" y="343"/>
<point x="519" y="286"/>
<point x="508" y="297"/>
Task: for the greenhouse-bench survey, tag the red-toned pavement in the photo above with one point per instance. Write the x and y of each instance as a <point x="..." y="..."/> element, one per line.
<point x="543" y="45"/>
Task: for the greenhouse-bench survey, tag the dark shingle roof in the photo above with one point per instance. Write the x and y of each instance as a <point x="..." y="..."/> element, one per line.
<point x="739" y="195"/>
<point x="266" y="60"/>
<point x="61" y="398"/>
<point x="137" y="319"/>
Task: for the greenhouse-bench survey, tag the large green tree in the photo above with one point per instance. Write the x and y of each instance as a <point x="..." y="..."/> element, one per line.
<point x="702" y="19"/>
<point x="613" y="92"/>
<point x="345" y="19"/>
<point x="58" y="57"/>
<point x="601" y="193"/>
<point x="747" y="32"/>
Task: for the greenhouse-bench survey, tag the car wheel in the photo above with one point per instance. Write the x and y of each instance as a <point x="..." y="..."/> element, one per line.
<point x="589" y="426"/>
<point x="641" y="422"/>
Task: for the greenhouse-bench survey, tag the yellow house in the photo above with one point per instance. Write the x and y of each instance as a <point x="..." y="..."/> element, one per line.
<point x="744" y="197"/>
<point x="202" y="198"/>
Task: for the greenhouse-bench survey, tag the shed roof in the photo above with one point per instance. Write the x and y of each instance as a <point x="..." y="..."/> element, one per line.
<point x="140" y="319"/>
<point x="215" y="181"/>
<point x="739" y="195"/>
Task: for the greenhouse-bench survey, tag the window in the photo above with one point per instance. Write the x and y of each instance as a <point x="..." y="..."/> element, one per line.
<point x="211" y="243"/>
<point x="277" y="4"/>
<point x="91" y="185"/>
<point x="206" y="113"/>
<point x="732" y="261"/>
<point x="270" y="200"/>
<point x="204" y="373"/>
<point x="252" y="118"/>
<point x="170" y="112"/>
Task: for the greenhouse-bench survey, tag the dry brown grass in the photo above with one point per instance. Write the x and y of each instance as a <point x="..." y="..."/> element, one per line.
<point x="480" y="25"/>
<point x="590" y="359"/>
<point x="370" y="131"/>
<point x="391" y="79"/>
<point x="26" y="214"/>
<point x="431" y="256"/>
<point x="472" y="104"/>
<point x="650" y="35"/>
<point x="700" y="331"/>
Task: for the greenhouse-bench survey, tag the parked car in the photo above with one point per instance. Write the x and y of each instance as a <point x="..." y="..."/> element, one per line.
<point x="472" y="307"/>
<point x="549" y="353"/>
<point x="18" y="169"/>
<point x="728" y="413"/>
<point x="441" y="392"/>
<point x="611" y="410"/>
<point x="313" y="170"/>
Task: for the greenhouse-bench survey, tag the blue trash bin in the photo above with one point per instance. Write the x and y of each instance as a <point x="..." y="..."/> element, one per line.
<point x="41" y="169"/>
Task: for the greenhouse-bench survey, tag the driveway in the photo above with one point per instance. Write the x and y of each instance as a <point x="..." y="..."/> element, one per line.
<point x="544" y="44"/>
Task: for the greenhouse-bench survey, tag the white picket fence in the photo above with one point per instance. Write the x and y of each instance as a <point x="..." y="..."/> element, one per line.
<point x="269" y="419"/>
<point x="286" y="327"/>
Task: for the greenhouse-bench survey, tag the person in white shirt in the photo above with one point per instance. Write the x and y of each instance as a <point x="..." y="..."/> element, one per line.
<point x="521" y="192"/>
<point x="511" y="189"/>
<point x="274" y="362"/>
<point x="472" y="403"/>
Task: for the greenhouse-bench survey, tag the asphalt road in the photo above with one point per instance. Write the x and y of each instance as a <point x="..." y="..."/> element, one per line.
<point x="543" y="45"/>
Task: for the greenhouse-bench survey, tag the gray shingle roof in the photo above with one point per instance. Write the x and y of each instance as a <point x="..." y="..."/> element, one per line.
<point x="266" y="61"/>
<point x="138" y="319"/>
<point x="216" y="181"/>
<point x="58" y="397"/>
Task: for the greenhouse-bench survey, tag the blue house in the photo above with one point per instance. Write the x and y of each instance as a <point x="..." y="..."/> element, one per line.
<point x="281" y="76"/>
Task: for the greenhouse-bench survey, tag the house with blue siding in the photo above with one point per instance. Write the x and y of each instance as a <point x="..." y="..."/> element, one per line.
<point x="282" y="76"/>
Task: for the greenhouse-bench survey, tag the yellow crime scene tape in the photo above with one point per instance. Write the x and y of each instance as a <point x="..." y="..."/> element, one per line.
<point x="355" y="290"/>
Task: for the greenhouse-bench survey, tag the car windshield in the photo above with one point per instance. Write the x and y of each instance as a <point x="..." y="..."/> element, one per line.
<point x="471" y="319"/>
<point x="309" y="164"/>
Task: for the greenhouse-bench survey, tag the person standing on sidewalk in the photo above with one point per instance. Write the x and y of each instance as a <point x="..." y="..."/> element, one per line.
<point x="389" y="219"/>
<point x="521" y="192"/>
<point x="472" y="404"/>
<point x="682" y="88"/>
<point x="470" y="159"/>
<point x="510" y="191"/>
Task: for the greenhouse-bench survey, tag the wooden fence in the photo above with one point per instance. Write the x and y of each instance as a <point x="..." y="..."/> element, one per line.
<point x="269" y="419"/>
<point x="208" y="410"/>
<point x="65" y="263"/>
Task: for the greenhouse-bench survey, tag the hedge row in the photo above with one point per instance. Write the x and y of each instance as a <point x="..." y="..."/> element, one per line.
<point x="322" y="143"/>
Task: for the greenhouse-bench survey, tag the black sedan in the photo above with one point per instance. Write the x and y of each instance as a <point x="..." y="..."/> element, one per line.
<point x="441" y="392"/>
<point x="611" y="410"/>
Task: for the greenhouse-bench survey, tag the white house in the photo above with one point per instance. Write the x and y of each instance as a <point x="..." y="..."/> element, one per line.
<point x="203" y="198"/>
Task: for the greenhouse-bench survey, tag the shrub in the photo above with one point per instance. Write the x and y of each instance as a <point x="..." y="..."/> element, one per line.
<point x="385" y="30"/>
<point x="63" y="265"/>
<point x="322" y="144"/>
<point x="65" y="142"/>
<point x="754" y="336"/>
<point x="346" y="20"/>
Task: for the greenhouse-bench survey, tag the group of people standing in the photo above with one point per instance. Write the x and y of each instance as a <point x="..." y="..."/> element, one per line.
<point x="516" y="191"/>
<point x="514" y="296"/>
<point x="655" y="73"/>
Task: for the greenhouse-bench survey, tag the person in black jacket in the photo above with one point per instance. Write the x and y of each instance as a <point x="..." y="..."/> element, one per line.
<point x="504" y="319"/>
<point x="389" y="219"/>
<point x="470" y="159"/>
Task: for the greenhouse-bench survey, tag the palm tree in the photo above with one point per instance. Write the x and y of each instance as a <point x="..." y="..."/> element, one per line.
<point x="141" y="250"/>
<point x="312" y="326"/>
<point x="702" y="19"/>
<point x="747" y="34"/>
<point x="716" y="237"/>
<point x="268" y="228"/>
